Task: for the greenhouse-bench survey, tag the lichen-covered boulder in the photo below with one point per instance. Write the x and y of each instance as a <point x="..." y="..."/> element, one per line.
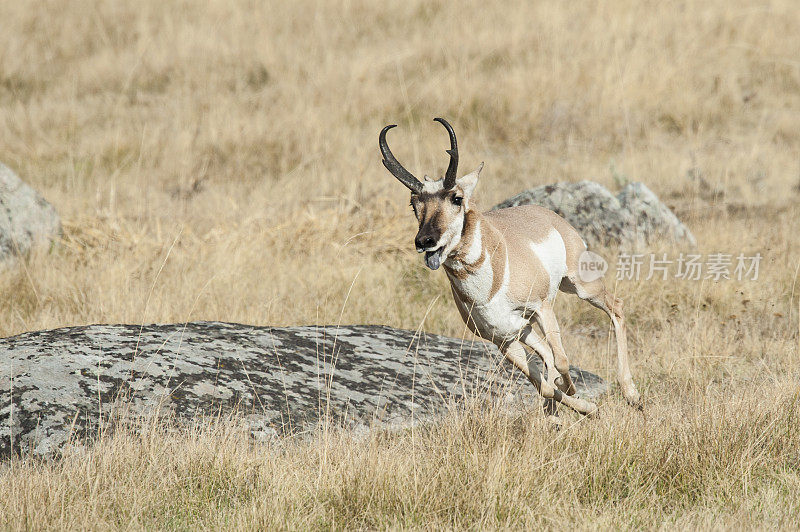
<point x="57" y="384"/>
<point x="631" y="219"/>
<point x="651" y="218"/>
<point x="25" y="217"/>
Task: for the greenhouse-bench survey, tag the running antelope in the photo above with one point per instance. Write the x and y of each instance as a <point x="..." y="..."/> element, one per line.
<point x="505" y="268"/>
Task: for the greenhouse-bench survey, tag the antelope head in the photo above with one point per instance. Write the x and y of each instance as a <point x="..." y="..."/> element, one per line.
<point x="440" y="205"/>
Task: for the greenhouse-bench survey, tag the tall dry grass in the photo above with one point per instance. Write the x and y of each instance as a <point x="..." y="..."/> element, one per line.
<point x="219" y="161"/>
<point x="727" y="462"/>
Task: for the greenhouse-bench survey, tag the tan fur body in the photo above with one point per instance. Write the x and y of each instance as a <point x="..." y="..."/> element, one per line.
<point x="520" y="279"/>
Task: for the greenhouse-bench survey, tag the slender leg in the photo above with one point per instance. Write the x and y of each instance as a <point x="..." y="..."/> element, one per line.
<point x="535" y="342"/>
<point x="613" y="307"/>
<point x="530" y="338"/>
<point x="515" y="353"/>
<point x="595" y="293"/>
<point x="552" y="333"/>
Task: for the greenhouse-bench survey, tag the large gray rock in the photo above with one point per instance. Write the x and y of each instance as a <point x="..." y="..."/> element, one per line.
<point x="630" y="219"/>
<point x="25" y="217"/>
<point x="59" y="382"/>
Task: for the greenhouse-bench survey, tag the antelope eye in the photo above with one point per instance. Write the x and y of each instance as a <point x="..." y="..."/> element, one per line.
<point x="457" y="200"/>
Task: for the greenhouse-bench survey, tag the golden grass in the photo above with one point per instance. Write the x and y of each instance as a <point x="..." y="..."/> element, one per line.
<point x="220" y="162"/>
<point x="729" y="461"/>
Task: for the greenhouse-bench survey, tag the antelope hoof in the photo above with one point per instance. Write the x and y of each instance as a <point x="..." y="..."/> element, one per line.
<point x="555" y="422"/>
<point x="566" y="388"/>
<point x="638" y="404"/>
<point x="634" y="399"/>
<point x="592" y="412"/>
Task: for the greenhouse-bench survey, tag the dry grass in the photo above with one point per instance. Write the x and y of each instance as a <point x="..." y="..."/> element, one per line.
<point x="725" y="463"/>
<point x="220" y="162"/>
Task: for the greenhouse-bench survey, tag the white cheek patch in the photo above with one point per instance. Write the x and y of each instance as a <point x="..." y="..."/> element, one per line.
<point x="451" y="236"/>
<point x="552" y="253"/>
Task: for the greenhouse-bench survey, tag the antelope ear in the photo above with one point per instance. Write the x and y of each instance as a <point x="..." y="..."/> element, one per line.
<point x="468" y="182"/>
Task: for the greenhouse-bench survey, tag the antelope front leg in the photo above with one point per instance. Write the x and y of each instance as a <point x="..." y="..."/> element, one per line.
<point x="529" y="337"/>
<point x="515" y="353"/>
<point x="532" y="340"/>
<point x="552" y="333"/>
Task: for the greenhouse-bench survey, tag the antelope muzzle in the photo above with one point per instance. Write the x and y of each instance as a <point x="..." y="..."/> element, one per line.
<point x="426" y="239"/>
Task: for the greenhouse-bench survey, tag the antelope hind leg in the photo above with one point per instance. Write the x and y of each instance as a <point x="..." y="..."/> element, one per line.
<point x="595" y="293"/>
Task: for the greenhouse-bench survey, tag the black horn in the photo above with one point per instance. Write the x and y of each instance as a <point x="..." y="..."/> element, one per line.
<point x="391" y="164"/>
<point x="450" y="175"/>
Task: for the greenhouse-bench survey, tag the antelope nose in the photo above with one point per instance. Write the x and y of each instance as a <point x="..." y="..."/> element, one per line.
<point x="424" y="242"/>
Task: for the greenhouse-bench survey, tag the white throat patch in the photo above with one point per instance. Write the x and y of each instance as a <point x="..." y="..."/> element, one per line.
<point x="476" y="246"/>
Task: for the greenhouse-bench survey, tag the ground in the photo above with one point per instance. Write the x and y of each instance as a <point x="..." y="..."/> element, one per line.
<point x="221" y="163"/>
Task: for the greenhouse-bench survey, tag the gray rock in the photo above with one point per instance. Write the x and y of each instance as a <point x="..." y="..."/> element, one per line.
<point x="630" y="219"/>
<point x="57" y="384"/>
<point x="651" y="217"/>
<point x="25" y="217"/>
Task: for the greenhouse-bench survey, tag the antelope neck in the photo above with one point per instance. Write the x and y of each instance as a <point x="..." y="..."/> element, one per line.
<point x="470" y="252"/>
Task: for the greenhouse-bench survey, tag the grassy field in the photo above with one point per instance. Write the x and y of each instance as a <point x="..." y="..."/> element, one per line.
<point x="219" y="161"/>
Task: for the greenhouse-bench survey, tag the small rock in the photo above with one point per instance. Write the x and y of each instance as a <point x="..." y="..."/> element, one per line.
<point x="26" y="218"/>
<point x="630" y="219"/>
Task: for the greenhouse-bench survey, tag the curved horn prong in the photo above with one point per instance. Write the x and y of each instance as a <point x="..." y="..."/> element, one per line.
<point x="450" y="175"/>
<point x="391" y="164"/>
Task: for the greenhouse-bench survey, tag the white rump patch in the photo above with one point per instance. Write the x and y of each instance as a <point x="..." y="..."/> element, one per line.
<point x="552" y="253"/>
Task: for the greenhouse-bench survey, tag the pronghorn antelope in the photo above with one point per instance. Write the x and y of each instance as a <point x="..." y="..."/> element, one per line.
<point x="505" y="268"/>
